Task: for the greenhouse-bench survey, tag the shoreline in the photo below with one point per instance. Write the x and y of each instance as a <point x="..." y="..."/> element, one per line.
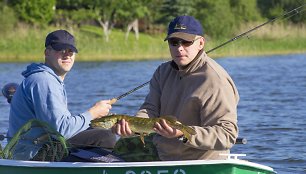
<point x="114" y="58"/>
<point x="28" y="46"/>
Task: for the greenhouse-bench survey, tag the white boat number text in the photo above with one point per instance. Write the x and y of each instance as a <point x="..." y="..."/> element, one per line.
<point x="177" y="171"/>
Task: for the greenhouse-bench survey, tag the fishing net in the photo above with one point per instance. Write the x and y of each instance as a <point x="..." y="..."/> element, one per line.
<point x="52" y="145"/>
<point x="132" y="149"/>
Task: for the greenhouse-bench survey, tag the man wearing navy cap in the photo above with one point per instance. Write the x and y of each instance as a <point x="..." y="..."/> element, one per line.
<point x="42" y="96"/>
<point x="197" y="91"/>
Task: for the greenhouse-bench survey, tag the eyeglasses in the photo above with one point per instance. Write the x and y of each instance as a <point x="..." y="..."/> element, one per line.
<point x="176" y="42"/>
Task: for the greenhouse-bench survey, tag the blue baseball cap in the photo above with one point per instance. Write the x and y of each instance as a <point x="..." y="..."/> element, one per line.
<point x="184" y="27"/>
<point x="61" y="40"/>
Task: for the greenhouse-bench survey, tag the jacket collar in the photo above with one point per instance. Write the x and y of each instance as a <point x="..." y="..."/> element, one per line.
<point x="195" y="64"/>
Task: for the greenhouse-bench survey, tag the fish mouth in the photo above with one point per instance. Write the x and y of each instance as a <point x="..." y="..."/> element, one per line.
<point x="93" y="124"/>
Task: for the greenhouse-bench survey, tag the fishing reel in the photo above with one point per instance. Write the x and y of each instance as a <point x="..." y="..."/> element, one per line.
<point x="8" y="91"/>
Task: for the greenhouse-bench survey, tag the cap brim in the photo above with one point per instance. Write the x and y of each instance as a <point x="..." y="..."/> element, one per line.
<point x="181" y="35"/>
<point x="60" y="46"/>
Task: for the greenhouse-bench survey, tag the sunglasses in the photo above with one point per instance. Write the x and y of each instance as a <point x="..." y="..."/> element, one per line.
<point x="68" y="51"/>
<point x="176" y="42"/>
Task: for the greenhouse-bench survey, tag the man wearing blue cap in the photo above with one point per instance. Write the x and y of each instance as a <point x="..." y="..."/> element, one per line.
<point x="42" y="96"/>
<point x="197" y="91"/>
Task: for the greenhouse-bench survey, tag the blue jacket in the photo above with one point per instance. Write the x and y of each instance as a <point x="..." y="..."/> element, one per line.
<point x="42" y="96"/>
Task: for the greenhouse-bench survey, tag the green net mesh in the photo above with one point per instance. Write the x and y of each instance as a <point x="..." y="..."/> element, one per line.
<point x="53" y="146"/>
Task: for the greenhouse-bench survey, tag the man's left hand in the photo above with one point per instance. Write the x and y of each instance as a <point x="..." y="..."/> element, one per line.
<point x="165" y="130"/>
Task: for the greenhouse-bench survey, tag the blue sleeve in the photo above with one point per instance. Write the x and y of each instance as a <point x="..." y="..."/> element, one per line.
<point x="50" y="105"/>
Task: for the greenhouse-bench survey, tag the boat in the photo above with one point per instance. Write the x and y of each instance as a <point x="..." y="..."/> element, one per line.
<point x="113" y="165"/>
<point x="228" y="166"/>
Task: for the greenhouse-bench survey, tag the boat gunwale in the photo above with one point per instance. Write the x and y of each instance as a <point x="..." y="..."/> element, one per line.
<point x="20" y="163"/>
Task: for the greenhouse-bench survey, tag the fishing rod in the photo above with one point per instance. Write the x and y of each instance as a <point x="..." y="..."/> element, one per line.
<point x="289" y="14"/>
<point x="285" y="15"/>
<point x="114" y="100"/>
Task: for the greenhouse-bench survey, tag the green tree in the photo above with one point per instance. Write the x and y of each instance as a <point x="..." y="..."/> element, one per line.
<point x="130" y="13"/>
<point x="70" y="4"/>
<point x="106" y="11"/>
<point x="72" y="18"/>
<point x="245" y="11"/>
<point x="37" y="12"/>
<point x="216" y="17"/>
<point x="72" y="14"/>
<point x="102" y="11"/>
<point x="273" y="8"/>
<point x="173" y="8"/>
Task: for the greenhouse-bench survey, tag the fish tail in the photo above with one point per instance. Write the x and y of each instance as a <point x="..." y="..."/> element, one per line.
<point x="188" y="131"/>
<point x="186" y="134"/>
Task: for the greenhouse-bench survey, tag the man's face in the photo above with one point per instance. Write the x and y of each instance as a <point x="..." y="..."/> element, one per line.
<point x="183" y="52"/>
<point x="60" y="61"/>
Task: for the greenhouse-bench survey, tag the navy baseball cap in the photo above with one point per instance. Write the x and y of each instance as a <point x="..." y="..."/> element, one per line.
<point x="60" y="40"/>
<point x="184" y="27"/>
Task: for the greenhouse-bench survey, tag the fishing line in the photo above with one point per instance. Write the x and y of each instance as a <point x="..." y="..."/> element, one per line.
<point x="286" y="15"/>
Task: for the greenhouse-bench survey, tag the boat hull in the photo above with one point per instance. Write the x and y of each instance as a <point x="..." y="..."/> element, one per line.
<point x="173" y="167"/>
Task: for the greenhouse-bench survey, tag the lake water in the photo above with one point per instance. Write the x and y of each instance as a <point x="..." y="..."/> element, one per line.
<point x="272" y="113"/>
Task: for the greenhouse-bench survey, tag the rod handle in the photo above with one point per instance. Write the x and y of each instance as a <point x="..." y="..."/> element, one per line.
<point x="241" y="141"/>
<point x="113" y="100"/>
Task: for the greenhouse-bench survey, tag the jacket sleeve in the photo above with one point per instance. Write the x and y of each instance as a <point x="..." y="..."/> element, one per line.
<point x="218" y="129"/>
<point x="50" y="105"/>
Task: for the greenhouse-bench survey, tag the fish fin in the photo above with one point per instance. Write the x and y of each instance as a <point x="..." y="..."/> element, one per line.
<point x="186" y="134"/>
<point x="142" y="139"/>
<point x="188" y="131"/>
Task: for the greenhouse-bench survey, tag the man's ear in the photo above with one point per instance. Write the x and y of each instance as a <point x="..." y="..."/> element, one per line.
<point x="47" y="52"/>
<point x="202" y="43"/>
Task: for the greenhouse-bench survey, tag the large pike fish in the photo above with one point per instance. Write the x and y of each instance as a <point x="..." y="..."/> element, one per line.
<point x="142" y="126"/>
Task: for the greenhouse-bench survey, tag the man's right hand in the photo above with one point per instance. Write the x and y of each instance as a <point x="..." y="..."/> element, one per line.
<point x="100" y="109"/>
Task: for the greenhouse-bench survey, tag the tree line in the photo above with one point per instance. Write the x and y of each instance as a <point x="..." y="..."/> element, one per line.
<point x="220" y="18"/>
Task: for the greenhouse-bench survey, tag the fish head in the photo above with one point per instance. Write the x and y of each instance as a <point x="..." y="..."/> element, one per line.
<point x="104" y="122"/>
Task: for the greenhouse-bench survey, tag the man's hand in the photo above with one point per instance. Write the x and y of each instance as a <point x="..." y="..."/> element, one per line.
<point x="165" y="130"/>
<point x="100" y="109"/>
<point x="122" y="128"/>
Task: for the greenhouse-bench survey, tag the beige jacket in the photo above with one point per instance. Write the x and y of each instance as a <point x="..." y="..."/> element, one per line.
<point x="202" y="96"/>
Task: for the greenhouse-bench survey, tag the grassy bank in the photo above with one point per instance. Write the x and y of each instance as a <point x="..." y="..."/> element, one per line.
<point x="26" y="44"/>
